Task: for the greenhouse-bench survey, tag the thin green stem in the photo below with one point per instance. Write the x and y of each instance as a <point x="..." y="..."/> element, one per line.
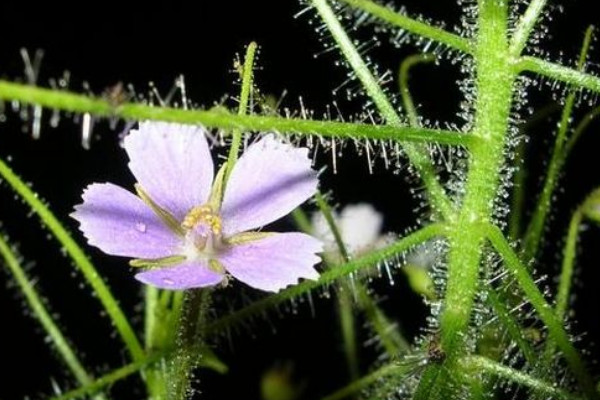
<point x="474" y="365"/>
<point x="247" y="75"/>
<point x="520" y="177"/>
<point x="370" y="379"/>
<point x="372" y="259"/>
<point x="222" y="119"/>
<point x="345" y="303"/>
<point x="81" y="261"/>
<point x="403" y="76"/>
<point x="109" y="379"/>
<point x="579" y="129"/>
<point x="416" y="154"/>
<point x="534" y="231"/>
<point x="558" y="72"/>
<point x="556" y="330"/>
<point x="566" y="274"/>
<point x="413" y="26"/>
<point x="515" y="331"/>
<point x="42" y="315"/>
<point x="526" y="24"/>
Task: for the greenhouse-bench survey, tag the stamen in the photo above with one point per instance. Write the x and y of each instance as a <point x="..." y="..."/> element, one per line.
<point x="156" y="262"/>
<point x="202" y="215"/>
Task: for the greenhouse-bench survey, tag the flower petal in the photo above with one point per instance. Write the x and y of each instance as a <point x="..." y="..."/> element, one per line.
<point x="187" y="275"/>
<point x="119" y="223"/>
<point x="274" y="262"/>
<point x="172" y="163"/>
<point x="270" y="179"/>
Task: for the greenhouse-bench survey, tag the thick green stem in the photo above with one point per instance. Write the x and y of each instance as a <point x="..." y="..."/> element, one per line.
<point x="570" y="76"/>
<point x="222" y="119"/>
<point x="417" y="154"/>
<point x="79" y="258"/>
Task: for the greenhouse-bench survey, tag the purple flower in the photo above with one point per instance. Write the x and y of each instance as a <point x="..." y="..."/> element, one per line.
<point x="180" y="231"/>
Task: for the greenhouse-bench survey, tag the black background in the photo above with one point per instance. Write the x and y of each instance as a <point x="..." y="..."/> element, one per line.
<point x="104" y="43"/>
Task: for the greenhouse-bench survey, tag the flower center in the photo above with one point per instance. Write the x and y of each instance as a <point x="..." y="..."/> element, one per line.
<point x="203" y="229"/>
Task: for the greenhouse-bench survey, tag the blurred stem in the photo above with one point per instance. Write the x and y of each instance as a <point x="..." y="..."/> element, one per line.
<point x="109" y="379"/>
<point x="247" y="76"/>
<point x="569" y="254"/>
<point x="35" y="303"/>
<point x="417" y="155"/>
<point x="556" y="330"/>
<point x="536" y="226"/>
<point x="370" y="379"/>
<point x="578" y="131"/>
<point x="520" y="177"/>
<point x="79" y="258"/>
<point x="403" y="76"/>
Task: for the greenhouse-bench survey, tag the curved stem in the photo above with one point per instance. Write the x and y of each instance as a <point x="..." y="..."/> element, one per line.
<point x="403" y="75"/>
<point x="79" y="258"/>
<point x="222" y="119"/>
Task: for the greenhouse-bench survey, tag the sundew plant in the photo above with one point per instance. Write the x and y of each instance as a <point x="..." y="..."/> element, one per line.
<point x="195" y="230"/>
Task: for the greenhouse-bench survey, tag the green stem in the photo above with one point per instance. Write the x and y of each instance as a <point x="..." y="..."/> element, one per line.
<point x="109" y="379"/>
<point x="403" y="76"/>
<point x="345" y="303"/>
<point x="495" y="81"/>
<point x="515" y="331"/>
<point x="43" y="316"/>
<point x="474" y="365"/>
<point x="372" y="259"/>
<point x="222" y="119"/>
<point x="413" y="26"/>
<point x="189" y="343"/>
<point x="581" y="127"/>
<point x="247" y="79"/>
<point x="556" y="330"/>
<point x="79" y="258"/>
<point x="566" y="274"/>
<point x="559" y="73"/>
<point x="526" y="24"/>
<point x="416" y="154"/>
<point x="370" y="379"/>
<point x="534" y="231"/>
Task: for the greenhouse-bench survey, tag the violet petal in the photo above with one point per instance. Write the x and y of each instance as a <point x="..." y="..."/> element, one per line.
<point x="119" y="223"/>
<point x="274" y="262"/>
<point x="187" y="275"/>
<point x="172" y="163"/>
<point x="269" y="180"/>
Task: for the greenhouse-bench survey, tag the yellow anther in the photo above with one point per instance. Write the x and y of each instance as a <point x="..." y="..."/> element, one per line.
<point x="202" y="215"/>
